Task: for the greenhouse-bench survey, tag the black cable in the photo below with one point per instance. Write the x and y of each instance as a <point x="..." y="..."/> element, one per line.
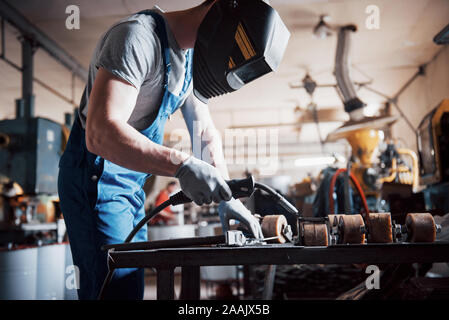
<point x="106" y="283"/>
<point x="128" y="239"/>
<point x="278" y="197"/>
<point x="147" y="218"/>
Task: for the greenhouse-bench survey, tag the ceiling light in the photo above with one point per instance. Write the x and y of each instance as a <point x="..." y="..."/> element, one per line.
<point x="371" y="109"/>
<point x="322" y="30"/>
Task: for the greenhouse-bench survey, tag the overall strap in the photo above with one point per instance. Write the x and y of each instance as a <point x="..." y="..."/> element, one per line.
<point x="162" y="35"/>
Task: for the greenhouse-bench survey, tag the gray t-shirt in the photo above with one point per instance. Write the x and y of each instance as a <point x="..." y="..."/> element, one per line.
<point x="131" y="50"/>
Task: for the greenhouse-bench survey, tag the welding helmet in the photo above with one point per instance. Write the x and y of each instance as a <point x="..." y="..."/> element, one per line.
<point x="238" y="41"/>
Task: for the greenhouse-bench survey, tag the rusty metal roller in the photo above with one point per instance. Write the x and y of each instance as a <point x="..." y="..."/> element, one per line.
<point x="380" y="229"/>
<point x="273" y="226"/>
<point x="420" y="227"/>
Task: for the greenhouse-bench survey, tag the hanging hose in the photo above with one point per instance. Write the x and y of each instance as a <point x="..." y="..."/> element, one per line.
<point x="344" y="84"/>
<point x="357" y="186"/>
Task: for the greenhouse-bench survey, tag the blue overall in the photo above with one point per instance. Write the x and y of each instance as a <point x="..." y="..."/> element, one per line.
<point x="102" y="202"/>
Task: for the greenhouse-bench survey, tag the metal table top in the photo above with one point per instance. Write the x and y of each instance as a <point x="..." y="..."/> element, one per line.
<point x="279" y="254"/>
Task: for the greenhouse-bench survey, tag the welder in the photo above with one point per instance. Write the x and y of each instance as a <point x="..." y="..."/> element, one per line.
<point x="143" y="69"/>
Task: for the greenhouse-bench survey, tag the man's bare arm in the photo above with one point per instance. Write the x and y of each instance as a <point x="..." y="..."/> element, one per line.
<point x="210" y="149"/>
<point x="108" y="134"/>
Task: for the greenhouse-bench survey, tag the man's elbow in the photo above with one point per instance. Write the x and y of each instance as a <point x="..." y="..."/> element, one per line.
<point x="91" y="145"/>
<point x="93" y="139"/>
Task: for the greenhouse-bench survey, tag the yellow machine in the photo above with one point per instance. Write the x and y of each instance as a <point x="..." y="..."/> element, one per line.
<point x="364" y="137"/>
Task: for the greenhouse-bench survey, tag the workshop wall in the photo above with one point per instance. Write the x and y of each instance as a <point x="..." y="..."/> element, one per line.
<point x="424" y="94"/>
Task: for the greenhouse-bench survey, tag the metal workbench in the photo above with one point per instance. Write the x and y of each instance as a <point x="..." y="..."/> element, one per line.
<point x="190" y="259"/>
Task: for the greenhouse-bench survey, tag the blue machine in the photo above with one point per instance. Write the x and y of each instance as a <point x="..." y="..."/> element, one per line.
<point x="30" y="149"/>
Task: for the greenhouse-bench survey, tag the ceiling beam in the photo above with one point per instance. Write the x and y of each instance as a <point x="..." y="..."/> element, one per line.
<point x="30" y="31"/>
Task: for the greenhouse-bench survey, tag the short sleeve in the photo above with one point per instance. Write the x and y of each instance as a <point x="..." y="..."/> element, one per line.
<point x="129" y="51"/>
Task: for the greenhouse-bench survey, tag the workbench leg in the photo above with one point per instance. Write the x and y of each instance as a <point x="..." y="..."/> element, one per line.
<point x="237" y="276"/>
<point x="269" y="282"/>
<point x="165" y="284"/>
<point x="190" y="283"/>
<point x="247" y="280"/>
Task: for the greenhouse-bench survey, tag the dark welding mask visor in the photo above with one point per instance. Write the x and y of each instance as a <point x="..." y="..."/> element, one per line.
<point x="238" y="41"/>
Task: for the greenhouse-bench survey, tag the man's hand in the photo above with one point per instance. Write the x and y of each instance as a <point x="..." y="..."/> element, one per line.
<point x="202" y="182"/>
<point x="234" y="209"/>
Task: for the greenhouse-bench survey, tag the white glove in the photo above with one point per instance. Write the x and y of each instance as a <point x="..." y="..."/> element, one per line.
<point x="234" y="209"/>
<point x="202" y="182"/>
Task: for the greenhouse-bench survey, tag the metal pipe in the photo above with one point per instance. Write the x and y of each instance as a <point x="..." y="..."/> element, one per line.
<point x="170" y="243"/>
<point x="68" y="119"/>
<point x="420" y="72"/>
<point x="56" y="93"/>
<point x="27" y="77"/>
<point x="2" y="26"/>
<point x="394" y="102"/>
<point x="409" y="123"/>
<point x="344" y="84"/>
<point x="73" y="87"/>
<point x="383" y="95"/>
<point x="27" y="68"/>
<point x="328" y="85"/>
<point x="269" y="279"/>
<point x="20" y="108"/>
<point x="30" y="31"/>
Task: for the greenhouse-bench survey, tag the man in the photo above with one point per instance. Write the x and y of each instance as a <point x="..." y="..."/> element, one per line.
<point x="167" y="214"/>
<point x="140" y="73"/>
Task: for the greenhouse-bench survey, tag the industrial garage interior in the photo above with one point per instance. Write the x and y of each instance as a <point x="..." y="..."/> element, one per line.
<point x="331" y="116"/>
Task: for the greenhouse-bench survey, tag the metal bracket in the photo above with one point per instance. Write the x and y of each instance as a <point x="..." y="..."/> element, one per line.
<point x="235" y="238"/>
<point x="302" y="220"/>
